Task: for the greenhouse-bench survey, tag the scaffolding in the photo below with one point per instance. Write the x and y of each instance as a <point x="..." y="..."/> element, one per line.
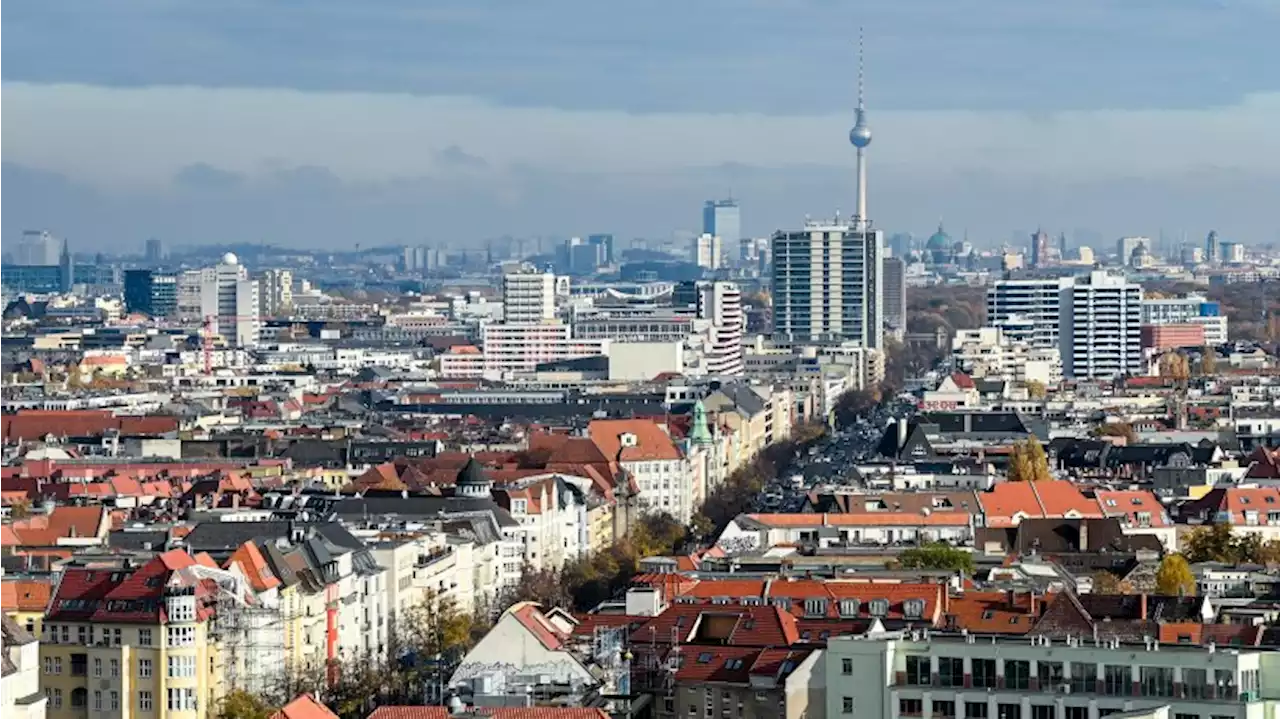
<point x="252" y="636"/>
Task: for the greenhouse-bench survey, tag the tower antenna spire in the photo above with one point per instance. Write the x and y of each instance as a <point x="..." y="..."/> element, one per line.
<point x="862" y="86"/>
<point x="860" y="137"/>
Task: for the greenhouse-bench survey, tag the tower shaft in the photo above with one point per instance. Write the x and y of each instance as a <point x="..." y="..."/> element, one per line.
<point x="860" y="208"/>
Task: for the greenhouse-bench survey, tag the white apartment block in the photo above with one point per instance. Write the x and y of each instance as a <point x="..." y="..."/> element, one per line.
<point x="229" y="301"/>
<point x="708" y="251"/>
<point x="893" y="675"/>
<point x="275" y="292"/>
<point x="721" y="303"/>
<point x="529" y="297"/>
<point x="988" y="353"/>
<point x="1033" y="301"/>
<point x="1101" y="320"/>
<point x="827" y="280"/>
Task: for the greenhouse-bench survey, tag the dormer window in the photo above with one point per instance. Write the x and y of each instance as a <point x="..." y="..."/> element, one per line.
<point x="849" y="607"/>
<point x="878" y="607"/>
<point x="815" y="607"/>
<point x="519" y="506"/>
<point x="627" y="439"/>
<point x="913" y="608"/>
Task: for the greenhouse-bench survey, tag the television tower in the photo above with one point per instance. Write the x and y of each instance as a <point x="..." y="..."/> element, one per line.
<point x="860" y="137"/>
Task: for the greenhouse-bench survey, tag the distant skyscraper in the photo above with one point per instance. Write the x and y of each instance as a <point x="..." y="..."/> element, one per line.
<point x="723" y="219"/>
<point x="1212" y="251"/>
<point x="1062" y="246"/>
<point x="708" y="251"/>
<point x="605" y="243"/>
<point x="1039" y="248"/>
<point x="38" y="247"/>
<point x="154" y="251"/>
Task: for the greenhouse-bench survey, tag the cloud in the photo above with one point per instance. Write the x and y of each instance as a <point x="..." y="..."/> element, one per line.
<point x="203" y="176"/>
<point x="456" y="157"/>
<point x="709" y="56"/>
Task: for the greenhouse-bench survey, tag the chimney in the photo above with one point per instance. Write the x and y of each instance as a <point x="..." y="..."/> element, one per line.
<point x="902" y="431"/>
<point x="1035" y="605"/>
<point x="1012" y="596"/>
<point x="1142" y="607"/>
<point x="1084" y="535"/>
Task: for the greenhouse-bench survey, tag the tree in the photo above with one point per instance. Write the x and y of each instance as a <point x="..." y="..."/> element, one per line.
<point x="937" y="555"/>
<point x="1028" y="462"/>
<point x="1036" y="389"/>
<point x="20" y="508"/>
<point x="856" y="402"/>
<point x="1105" y="582"/>
<point x="1174" y="365"/>
<point x="1174" y="577"/>
<point x="1117" y="429"/>
<point x="240" y="704"/>
<point x="1208" y="361"/>
<point x="1214" y="543"/>
<point x="542" y="586"/>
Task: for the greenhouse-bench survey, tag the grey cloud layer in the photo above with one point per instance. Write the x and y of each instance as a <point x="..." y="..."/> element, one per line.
<point x="710" y="55"/>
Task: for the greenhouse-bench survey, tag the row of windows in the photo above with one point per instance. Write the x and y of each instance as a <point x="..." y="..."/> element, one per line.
<point x="110" y="700"/>
<point x="114" y="636"/>
<point x="179" y="667"/>
<point x="946" y="709"/>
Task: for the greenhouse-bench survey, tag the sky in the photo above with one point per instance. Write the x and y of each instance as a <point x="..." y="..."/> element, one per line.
<point x="321" y="123"/>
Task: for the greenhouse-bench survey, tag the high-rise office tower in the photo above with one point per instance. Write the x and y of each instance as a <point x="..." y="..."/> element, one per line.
<point x="1212" y="250"/>
<point x="275" y="292"/>
<point x="1034" y="301"/>
<point x="150" y="293"/>
<point x="528" y="297"/>
<point x="828" y="277"/>
<point x="708" y="251"/>
<point x="605" y="243"/>
<point x="723" y="219"/>
<point x="1101" y="321"/>
<point x="1039" y="248"/>
<point x="229" y="301"/>
<point x="38" y="247"/>
<point x="154" y="252"/>
<point x="895" y="294"/>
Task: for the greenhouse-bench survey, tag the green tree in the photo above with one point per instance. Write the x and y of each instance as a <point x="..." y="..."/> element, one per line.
<point x="1214" y="543"/>
<point x="1174" y="577"/>
<point x="856" y="402"/>
<point x="937" y="555"/>
<point x="20" y="508"/>
<point x="240" y="704"/>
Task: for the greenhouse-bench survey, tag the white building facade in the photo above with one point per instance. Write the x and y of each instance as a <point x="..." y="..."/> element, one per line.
<point x="827" y="285"/>
<point x="1101" y="321"/>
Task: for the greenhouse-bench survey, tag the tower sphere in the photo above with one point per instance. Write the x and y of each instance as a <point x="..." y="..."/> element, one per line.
<point x="860" y="135"/>
<point x="230" y="259"/>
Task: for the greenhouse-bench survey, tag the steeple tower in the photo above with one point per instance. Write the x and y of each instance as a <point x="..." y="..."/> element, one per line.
<point x="860" y="137"/>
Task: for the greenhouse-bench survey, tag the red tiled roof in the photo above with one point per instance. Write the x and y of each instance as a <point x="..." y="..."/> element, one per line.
<point x="24" y="595"/>
<point x="254" y="567"/>
<point x="304" y="707"/>
<point x="532" y="619"/>
<point x="651" y="442"/>
<point x="61" y="523"/>
<point x="1128" y="504"/>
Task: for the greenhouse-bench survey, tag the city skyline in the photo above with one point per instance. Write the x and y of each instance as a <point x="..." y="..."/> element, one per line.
<point x="194" y="151"/>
